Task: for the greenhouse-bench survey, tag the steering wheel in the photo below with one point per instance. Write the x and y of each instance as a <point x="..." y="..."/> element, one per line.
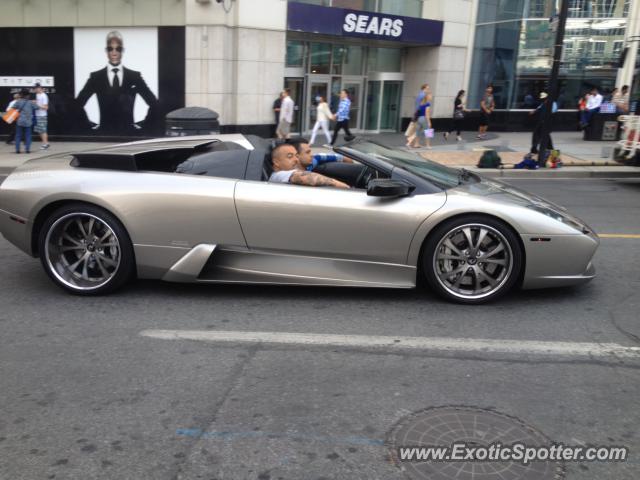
<point x="365" y="176"/>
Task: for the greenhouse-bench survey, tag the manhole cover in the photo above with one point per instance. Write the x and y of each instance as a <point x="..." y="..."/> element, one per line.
<point x="476" y="428"/>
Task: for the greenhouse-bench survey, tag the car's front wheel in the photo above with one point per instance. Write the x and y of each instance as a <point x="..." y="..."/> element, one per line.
<point x="86" y="250"/>
<point x="472" y="259"/>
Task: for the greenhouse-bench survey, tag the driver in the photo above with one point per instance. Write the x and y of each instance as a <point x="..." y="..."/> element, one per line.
<point x="287" y="168"/>
<point x="310" y="161"/>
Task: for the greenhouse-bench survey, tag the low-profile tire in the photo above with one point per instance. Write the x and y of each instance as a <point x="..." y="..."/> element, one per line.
<point x="472" y="259"/>
<point x="86" y="250"/>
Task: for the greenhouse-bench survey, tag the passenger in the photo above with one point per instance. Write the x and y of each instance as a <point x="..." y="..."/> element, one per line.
<point x="310" y="161"/>
<point x="288" y="169"/>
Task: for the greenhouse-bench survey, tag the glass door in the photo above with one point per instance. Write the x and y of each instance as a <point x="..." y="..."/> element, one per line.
<point x="317" y="87"/>
<point x="389" y="115"/>
<point x="295" y="86"/>
<point x="373" y="105"/>
<point x="354" y="88"/>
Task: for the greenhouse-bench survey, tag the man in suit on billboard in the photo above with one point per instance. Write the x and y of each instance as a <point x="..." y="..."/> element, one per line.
<point x="116" y="88"/>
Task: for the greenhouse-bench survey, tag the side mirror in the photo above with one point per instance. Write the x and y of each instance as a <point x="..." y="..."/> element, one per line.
<point x="387" y="187"/>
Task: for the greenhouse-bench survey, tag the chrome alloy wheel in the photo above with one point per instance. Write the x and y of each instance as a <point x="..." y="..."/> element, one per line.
<point x="82" y="251"/>
<point x="473" y="261"/>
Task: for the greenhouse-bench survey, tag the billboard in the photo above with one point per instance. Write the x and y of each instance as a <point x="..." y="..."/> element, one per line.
<point x="110" y="82"/>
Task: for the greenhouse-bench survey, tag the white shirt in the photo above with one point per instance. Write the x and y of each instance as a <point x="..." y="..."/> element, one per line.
<point x="111" y="74"/>
<point x="594" y="101"/>
<point x="282" y="176"/>
<point x="286" y="110"/>
<point x="42" y="99"/>
<point x="324" y="113"/>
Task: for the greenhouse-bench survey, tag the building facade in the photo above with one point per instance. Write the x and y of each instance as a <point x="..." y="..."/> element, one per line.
<point x="235" y="56"/>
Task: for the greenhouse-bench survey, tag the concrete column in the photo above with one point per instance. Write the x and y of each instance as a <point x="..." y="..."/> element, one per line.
<point x="235" y="58"/>
<point x="632" y="40"/>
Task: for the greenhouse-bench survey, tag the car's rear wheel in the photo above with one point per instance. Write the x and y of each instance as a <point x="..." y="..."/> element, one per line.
<point x="472" y="259"/>
<point x="86" y="250"/>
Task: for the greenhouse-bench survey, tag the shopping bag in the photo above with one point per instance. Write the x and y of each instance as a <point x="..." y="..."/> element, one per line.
<point x="429" y="133"/>
<point x="411" y="130"/>
<point x="11" y="115"/>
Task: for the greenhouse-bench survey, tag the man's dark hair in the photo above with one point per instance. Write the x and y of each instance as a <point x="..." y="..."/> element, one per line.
<point x="278" y="147"/>
<point x="25" y="93"/>
<point x="288" y="90"/>
<point x="297" y="142"/>
<point x="625" y="88"/>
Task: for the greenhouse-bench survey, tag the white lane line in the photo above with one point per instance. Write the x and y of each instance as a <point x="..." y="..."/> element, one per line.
<point x="475" y="345"/>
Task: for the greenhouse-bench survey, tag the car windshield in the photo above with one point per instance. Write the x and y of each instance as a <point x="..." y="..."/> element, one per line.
<point x="443" y="177"/>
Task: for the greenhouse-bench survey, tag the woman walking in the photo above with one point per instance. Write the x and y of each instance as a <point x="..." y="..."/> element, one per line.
<point x="323" y="115"/>
<point x="458" y="116"/>
<point x="423" y="130"/>
<point x="25" y="121"/>
<point x="487" y="105"/>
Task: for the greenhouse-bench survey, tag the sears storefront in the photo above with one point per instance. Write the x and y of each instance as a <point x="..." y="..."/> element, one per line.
<point x="330" y="49"/>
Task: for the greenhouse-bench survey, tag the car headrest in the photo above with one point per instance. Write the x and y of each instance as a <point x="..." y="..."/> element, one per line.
<point x="267" y="167"/>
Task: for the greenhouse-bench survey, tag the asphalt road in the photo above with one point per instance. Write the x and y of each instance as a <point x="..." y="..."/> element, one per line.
<point x="83" y="395"/>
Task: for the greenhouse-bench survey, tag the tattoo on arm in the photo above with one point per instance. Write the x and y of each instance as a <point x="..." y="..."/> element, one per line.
<point x="314" y="180"/>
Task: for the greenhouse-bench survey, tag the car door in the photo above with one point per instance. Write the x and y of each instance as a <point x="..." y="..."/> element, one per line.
<point x="328" y="222"/>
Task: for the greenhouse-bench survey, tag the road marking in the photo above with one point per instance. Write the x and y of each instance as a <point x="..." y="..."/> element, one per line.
<point x="619" y="235"/>
<point x="471" y="345"/>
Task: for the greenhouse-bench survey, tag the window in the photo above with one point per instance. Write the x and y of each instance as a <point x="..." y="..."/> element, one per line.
<point x="384" y="60"/>
<point x="617" y="47"/>
<point x="320" y="57"/>
<point x="295" y="53"/>
<point x="598" y="48"/>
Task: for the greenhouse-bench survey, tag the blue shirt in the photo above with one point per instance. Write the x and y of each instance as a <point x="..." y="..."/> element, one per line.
<point x="320" y="158"/>
<point x="419" y="98"/>
<point x="423" y="109"/>
<point x="343" y="109"/>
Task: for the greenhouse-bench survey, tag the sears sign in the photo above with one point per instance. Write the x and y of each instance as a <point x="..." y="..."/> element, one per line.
<point x="302" y="17"/>
<point x="371" y="24"/>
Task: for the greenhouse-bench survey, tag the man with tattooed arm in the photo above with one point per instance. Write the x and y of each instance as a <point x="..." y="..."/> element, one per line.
<point x="287" y="168"/>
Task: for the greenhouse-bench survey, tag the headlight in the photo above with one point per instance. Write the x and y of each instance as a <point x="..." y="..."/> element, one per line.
<point x="560" y="217"/>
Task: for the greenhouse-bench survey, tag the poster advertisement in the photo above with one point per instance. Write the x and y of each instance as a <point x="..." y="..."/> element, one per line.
<point x="101" y="82"/>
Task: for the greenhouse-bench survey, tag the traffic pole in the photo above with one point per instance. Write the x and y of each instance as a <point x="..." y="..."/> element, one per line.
<point x="553" y="82"/>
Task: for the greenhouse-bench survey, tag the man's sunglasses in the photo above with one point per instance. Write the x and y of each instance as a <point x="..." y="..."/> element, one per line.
<point x="117" y="49"/>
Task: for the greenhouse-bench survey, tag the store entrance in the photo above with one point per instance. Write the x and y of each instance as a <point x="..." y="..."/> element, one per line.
<point x="329" y="87"/>
<point x="383" y="105"/>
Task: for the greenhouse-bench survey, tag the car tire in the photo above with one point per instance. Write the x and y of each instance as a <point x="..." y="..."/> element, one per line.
<point x="86" y="250"/>
<point x="472" y="259"/>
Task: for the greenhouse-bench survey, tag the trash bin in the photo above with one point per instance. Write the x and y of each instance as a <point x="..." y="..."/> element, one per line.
<point x="191" y="121"/>
<point x="603" y="126"/>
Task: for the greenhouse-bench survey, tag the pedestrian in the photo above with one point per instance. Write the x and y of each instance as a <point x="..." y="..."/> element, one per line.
<point x="540" y="114"/>
<point x="342" y="118"/>
<point x="286" y="115"/>
<point x="277" y="103"/>
<point x="425" y="90"/>
<point x="323" y="115"/>
<point x="594" y="100"/>
<point x="42" y="100"/>
<point x="458" y="116"/>
<point x="423" y="129"/>
<point x="26" y="107"/>
<point x="12" y="134"/>
<point x="487" y="105"/>
<point x="621" y="101"/>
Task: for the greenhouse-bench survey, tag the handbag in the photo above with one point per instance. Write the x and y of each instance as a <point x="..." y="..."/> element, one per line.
<point x="458" y="114"/>
<point x="11" y="115"/>
<point x="429" y="133"/>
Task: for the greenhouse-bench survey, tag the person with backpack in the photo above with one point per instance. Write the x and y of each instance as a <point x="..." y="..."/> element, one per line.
<point x="458" y="116"/>
<point x="26" y="107"/>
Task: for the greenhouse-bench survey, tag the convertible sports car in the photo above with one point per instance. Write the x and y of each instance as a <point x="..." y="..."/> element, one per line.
<point x="200" y="209"/>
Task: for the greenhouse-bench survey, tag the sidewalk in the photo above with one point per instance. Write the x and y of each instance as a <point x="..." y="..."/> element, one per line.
<point x="581" y="159"/>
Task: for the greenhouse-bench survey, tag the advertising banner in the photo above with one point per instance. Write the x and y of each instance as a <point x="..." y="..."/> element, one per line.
<point x="104" y="82"/>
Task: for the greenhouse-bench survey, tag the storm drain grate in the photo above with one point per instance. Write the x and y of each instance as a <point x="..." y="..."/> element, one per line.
<point x="475" y="427"/>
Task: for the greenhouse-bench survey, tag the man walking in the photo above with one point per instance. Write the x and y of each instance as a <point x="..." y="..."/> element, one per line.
<point x="342" y="118"/>
<point x="487" y="105"/>
<point x="42" y="100"/>
<point x="540" y="113"/>
<point x="286" y="115"/>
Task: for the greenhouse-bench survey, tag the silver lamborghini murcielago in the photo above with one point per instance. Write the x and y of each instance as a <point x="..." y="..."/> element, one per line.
<point x="200" y="209"/>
